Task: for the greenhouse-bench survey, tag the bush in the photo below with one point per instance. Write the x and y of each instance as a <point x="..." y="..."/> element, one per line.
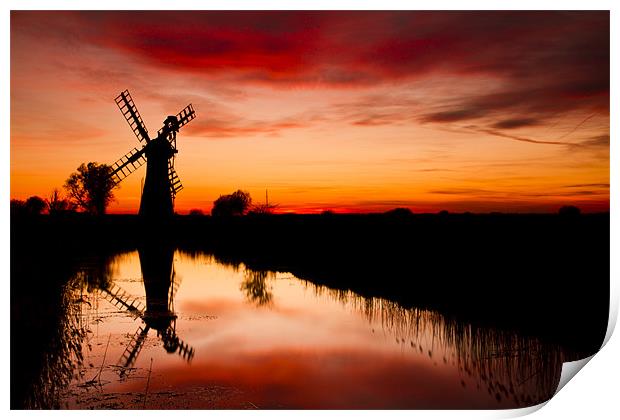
<point x="196" y="212"/>
<point x="235" y="204"/>
<point x="399" y="212"/>
<point x="33" y="206"/>
<point x="570" y="211"/>
<point x="57" y="205"/>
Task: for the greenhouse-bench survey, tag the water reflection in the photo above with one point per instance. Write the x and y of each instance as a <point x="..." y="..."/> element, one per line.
<point x="63" y="356"/>
<point x="504" y="364"/>
<point x="48" y="341"/>
<point x="270" y="340"/>
<point x="256" y="288"/>
<point x="160" y="285"/>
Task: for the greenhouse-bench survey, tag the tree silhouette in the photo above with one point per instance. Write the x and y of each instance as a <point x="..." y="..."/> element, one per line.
<point x="35" y="205"/>
<point x="32" y="206"/>
<point x="235" y="204"/>
<point x="91" y="187"/>
<point x="56" y="204"/>
<point x="17" y="207"/>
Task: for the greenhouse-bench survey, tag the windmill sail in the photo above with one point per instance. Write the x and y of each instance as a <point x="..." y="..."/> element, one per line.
<point x="173" y="343"/>
<point x="127" y="164"/>
<point x="186" y="115"/>
<point x="130" y="112"/>
<point x="123" y="300"/>
<point x="129" y="356"/>
<point x="175" y="182"/>
<point x="186" y="351"/>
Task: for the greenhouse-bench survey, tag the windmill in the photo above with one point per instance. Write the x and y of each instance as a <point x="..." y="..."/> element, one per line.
<point x="162" y="182"/>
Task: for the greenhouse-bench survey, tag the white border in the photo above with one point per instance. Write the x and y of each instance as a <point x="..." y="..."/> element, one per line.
<point x="593" y="394"/>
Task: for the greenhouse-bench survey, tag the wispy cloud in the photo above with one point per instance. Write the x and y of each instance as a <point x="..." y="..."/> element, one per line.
<point x="520" y="138"/>
<point x="601" y="185"/>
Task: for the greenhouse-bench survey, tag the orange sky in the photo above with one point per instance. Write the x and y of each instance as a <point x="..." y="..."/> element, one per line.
<point x="365" y="111"/>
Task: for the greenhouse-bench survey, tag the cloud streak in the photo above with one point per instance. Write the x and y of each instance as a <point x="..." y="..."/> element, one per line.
<point x="523" y="139"/>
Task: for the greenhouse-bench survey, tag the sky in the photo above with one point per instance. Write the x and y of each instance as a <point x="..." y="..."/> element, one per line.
<point x="346" y="111"/>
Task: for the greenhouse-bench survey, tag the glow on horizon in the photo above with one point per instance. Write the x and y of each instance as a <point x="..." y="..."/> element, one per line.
<point x="342" y="111"/>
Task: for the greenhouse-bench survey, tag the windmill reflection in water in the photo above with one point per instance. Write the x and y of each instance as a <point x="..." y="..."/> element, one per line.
<point x="161" y="285"/>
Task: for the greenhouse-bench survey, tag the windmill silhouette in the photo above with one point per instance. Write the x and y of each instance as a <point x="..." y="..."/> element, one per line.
<point x="162" y="182"/>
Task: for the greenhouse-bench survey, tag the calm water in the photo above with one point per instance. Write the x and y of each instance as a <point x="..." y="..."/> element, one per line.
<point x="168" y="329"/>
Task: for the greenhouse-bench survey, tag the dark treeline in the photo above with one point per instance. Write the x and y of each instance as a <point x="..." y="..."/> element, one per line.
<point x="542" y="275"/>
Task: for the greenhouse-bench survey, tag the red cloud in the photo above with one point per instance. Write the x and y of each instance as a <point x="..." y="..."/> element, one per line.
<point x="549" y="61"/>
<point x="352" y="47"/>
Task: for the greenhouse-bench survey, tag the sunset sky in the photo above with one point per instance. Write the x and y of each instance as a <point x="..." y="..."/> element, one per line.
<point x="349" y="111"/>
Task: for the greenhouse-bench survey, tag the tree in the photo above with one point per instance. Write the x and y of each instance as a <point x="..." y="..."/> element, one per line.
<point x="35" y="205"/>
<point x="91" y="187"/>
<point x="56" y="204"/>
<point x="17" y="207"/>
<point x="32" y="206"/>
<point x="235" y="204"/>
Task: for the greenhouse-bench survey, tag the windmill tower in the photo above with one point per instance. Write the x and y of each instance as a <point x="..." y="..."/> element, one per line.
<point x="162" y="182"/>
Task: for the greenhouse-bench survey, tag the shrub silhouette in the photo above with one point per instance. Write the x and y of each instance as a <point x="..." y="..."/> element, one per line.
<point x="56" y="204"/>
<point x="399" y="212"/>
<point x="196" y="212"/>
<point x="262" y="209"/>
<point x="34" y="205"/>
<point x="17" y="207"/>
<point x="570" y="211"/>
<point x="235" y="204"/>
